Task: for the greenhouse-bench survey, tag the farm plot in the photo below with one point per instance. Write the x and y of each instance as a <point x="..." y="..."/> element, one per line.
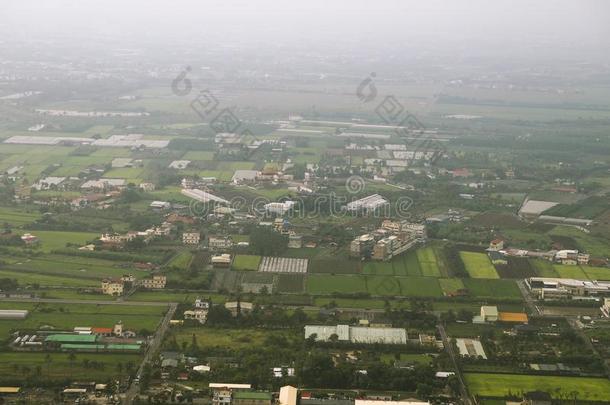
<point x="283" y="265"/>
<point x="517" y="267"/>
<point x="451" y="286"/>
<point x="566" y="271"/>
<point x="478" y="265"/>
<point x="246" y="262"/>
<point x="253" y="282"/>
<point x="544" y="268"/>
<point x="420" y="287"/>
<point x="290" y="283"/>
<point x="597" y="273"/>
<point x="499" y="385"/>
<point x="51" y="240"/>
<point x="378" y="268"/>
<point x="330" y="265"/>
<point x="488" y="288"/>
<point x="329" y="284"/>
<point x="428" y="262"/>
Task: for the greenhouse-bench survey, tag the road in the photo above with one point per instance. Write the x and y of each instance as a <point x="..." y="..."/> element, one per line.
<point x="153" y="347"/>
<point x="458" y="372"/>
<point x="529" y="301"/>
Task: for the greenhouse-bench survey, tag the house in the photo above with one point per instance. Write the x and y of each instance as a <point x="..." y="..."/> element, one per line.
<point x="156" y="282"/>
<point x="200" y="315"/>
<point x="496" y="245"/>
<point x="29" y="239"/>
<point x="288" y="395"/>
<point x="222" y="393"/>
<point x="112" y="286"/>
<point x="191" y="238"/>
<point x="202" y="304"/>
<point x="295" y="241"/>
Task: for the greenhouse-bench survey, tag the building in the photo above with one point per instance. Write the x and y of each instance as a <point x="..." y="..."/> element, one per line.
<point x="160" y="205"/>
<point x="470" y="348"/>
<point x="488" y="314"/>
<point x="239" y="307"/>
<point x="13" y="313"/>
<point x="223" y="260"/>
<point x="112" y="286"/>
<point x="362" y="246"/>
<point x="279" y="208"/>
<point x="200" y="315"/>
<point x="222" y="393"/>
<point x="156" y="282"/>
<point x="288" y="395"/>
<point x="29" y="239"/>
<point x="191" y="238"/>
<point x="219" y="243"/>
<point x="496" y="245"/>
<point x="367" y="204"/>
<point x="561" y="288"/>
<point x="357" y="334"/>
<point x="147" y="187"/>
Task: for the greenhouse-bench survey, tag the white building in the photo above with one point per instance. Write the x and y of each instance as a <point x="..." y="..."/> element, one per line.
<point x="279" y="208"/>
<point x="367" y="204"/>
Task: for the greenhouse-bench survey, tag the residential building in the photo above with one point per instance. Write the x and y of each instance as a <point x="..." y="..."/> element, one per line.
<point x="160" y="205"/>
<point x="156" y="282"/>
<point x="112" y="286"/>
<point x="295" y="241"/>
<point x="191" y="238"/>
<point x="197" y="314"/>
<point x="239" y="307"/>
<point x="29" y="239"/>
<point x="288" y="395"/>
<point x="362" y="246"/>
<point x="367" y="204"/>
<point x="147" y="187"/>
<point x="496" y="245"/>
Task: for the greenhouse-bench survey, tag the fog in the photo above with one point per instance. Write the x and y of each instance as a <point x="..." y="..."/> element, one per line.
<point x="478" y="28"/>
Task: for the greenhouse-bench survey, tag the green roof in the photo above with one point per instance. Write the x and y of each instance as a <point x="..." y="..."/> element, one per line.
<point x="61" y="337"/>
<point x="80" y="346"/>
<point x="252" y="395"/>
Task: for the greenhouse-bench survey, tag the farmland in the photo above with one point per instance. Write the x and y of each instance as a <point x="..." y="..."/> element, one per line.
<point x="478" y="265"/>
<point x="246" y="262"/>
<point x="499" y="385"/>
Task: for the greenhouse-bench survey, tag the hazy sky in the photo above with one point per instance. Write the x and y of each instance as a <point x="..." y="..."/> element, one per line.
<point x="500" y="23"/>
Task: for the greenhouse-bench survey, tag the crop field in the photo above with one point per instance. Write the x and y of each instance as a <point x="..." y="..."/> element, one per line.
<point x="544" y="268"/>
<point x="478" y="265"/>
<point x="428" y="262"/>
<point x="499" y="385"/>
<point x="246" y="262"/>
<point x="17" y="217"/>
<point x="67" y="316"/>
<point x="59" y="366"/>
<point x="334" y="265"/>
<point x="596" y="273"/>
<point x="328" y="284"/>
<point x="71" y="266"/>
<point x="420" y="287"/>
<point x="233" y="339"/>
<point x="489" y="288"/>
<point x="48" y="280"/>
<point x="181" y="260"/>
<point x="379" y="268"/>
<point x="290" y="283"/>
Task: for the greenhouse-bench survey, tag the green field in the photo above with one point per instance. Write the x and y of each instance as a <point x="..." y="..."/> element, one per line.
<point x="489" y="288"/>
<point x="544" y="268"/>
<point x="499" y="385"/>
<point x="246" y="262"/>
<point x="451" y="285"/>
<point x="50" y="240"/>
<point x="181" y="260"/>
<point x="58" y="366"/>
<point x="597" y="273"/>
<point x="328" y="284"/>
<point x="478" y="265"/>
<point x="290" y="283"/>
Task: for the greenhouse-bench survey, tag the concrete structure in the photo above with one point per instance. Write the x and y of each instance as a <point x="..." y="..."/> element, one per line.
<point x="295" y="241"/>
<point x="160" y="205"/>
<point x="219" y="243"/>
<point x="279" y="208"/>
<point x="357" y="334"/>
<point x="223" y="260"/>
<point x="362" y="246"/>
<point x="553" y="288"/>
<point x="531" y="209"/>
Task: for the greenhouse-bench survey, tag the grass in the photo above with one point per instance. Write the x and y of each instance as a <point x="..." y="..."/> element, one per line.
<point x="566" y="271"/>
<point x="290" y="283"/>
<point x="233" y="339"/>
<point x="596" y="273"/>
<point x="488" y="288"/>
<point x="246" y="262"/>
<point x="544" y="268"/>
<point x="181" y="260"/>
<point x="378" y="268"/>
<point x="48" y="280"/>
<point x="499" y="385"/>
<point x="51" y="240"/>
<point x="478" y="265"/>
<point x="420" y="287"/>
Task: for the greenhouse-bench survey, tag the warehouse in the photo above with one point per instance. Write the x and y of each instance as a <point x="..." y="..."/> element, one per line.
<point x="357" y="334"/>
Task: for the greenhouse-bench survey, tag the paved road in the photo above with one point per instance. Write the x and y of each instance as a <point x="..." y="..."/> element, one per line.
<point x="458" y="372"/>
<point x="95" y="302"/>
<point x="153" y="347"/>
